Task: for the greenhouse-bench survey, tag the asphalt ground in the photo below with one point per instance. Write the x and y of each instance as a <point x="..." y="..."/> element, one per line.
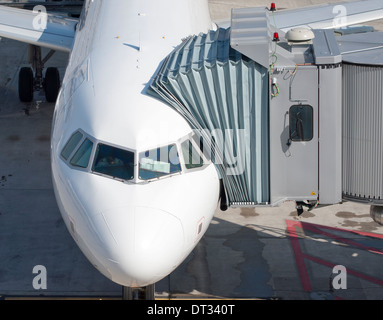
<point x="262" y="253"/>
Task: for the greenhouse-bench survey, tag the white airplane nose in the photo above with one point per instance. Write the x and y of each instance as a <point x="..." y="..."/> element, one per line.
<point x="149" y="244"/>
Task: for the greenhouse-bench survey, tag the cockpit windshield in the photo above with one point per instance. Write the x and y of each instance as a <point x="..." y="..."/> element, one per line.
<point x="114" y="162"/>
<point x="159" y="162"/>
<point x="83" y="152"/>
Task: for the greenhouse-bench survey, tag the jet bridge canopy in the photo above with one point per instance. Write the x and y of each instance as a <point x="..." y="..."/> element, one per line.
<point x="224" y="96"/>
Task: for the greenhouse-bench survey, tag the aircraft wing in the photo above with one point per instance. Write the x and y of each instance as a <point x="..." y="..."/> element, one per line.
<point x="329" y="16"/>
<point x="38" y="28"/>
<point x="326" y="16"/>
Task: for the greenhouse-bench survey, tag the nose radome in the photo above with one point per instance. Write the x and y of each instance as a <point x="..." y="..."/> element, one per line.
<point x="149" y="244"/>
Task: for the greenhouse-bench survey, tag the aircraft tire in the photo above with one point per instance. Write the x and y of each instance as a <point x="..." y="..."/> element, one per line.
<point x="26" y="84"/>
<point x="52" y="84"/>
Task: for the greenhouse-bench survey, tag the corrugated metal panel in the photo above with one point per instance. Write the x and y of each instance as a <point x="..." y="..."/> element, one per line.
<point x="217" y="89"/>
<point x="363" y="132"/>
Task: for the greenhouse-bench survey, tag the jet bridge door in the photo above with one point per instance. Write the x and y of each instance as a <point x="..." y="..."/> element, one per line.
<point x="294" y="135"/>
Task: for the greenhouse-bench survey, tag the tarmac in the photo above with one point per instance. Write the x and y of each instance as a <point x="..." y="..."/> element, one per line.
<point x="262" y="253"/>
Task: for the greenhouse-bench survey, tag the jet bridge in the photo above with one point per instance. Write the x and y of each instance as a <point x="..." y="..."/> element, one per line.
<point x="287" y="115"/>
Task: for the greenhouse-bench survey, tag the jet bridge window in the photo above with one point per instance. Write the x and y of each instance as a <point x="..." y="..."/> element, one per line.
<point x="114" y="162"/>
<point x="301" y="123"/>
<point x="159" y="162"/>
<point x="71" y="144"/>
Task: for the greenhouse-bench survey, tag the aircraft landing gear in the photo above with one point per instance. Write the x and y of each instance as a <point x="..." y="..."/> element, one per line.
<point x="376" y="213"/>
<point x="310" y="205"/>
<point x="223" y="200"/>
<point x="30" y="82"/>
<point x="144" y="293"/>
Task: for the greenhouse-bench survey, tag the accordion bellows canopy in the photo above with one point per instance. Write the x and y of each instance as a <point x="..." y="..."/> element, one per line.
<point x="224" y="95"/>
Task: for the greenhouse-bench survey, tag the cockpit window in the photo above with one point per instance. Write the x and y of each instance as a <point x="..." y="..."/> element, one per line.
<point x="82" y="156"/>
<point x="71" y="144"/>
<point x="114" y="162"/>
<point x="159" y="162"/>
<point x="192" y="156"/>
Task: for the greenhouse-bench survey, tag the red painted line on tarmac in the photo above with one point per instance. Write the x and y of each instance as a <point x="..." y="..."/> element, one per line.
<point x="317" y="229"/>
<point x="362" y="233"/>
<point x="300" y="257"/>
